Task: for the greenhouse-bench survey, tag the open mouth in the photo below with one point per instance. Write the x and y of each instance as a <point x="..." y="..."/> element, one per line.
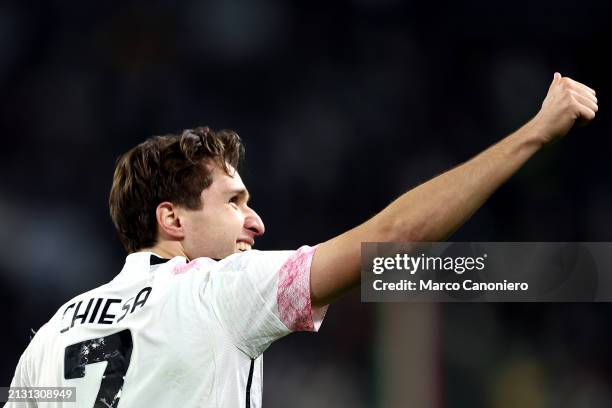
<point x="243" y="246"/>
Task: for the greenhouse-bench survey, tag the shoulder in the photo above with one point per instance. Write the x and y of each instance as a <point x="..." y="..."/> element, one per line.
<point x="253" y="259"/>
<point x="35" y="348"/>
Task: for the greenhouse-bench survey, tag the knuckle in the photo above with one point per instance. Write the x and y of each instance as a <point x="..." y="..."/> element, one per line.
<point x="570" y="107"/>
<point x="567" y="95"/>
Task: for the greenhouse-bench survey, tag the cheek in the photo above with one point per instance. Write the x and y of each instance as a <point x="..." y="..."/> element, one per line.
<point x="234" y="220"/>
<point x="224" y="224"/>
<point x="196" y="225"/>
<point x="201" y="227"/>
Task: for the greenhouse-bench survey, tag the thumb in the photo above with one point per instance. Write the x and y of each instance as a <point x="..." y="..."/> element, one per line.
<point x="555" y="81"/>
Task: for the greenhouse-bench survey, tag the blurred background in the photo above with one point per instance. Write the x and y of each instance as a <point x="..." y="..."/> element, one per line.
<point x="342" y="107"/>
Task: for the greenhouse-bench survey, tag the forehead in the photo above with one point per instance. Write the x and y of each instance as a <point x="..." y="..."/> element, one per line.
<point x="224" y="182"/>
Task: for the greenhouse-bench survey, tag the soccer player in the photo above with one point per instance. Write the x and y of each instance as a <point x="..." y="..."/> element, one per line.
<point x="187" y="319"/>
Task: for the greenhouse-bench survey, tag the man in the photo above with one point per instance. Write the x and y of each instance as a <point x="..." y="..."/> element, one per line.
<point x="186" y="321"/>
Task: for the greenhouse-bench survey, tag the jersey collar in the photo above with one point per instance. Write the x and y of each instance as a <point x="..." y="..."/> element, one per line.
<point x="147" y="259"/>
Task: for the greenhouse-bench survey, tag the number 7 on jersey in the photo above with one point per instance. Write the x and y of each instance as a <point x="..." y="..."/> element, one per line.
<point x="116" y="349"/>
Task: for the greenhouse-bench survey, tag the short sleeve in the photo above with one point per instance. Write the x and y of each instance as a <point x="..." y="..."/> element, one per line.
<point x="21" y="379"/>
<point x="261" y="296"/>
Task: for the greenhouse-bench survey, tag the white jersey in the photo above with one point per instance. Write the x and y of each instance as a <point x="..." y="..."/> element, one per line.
<point x="172" y="333"/>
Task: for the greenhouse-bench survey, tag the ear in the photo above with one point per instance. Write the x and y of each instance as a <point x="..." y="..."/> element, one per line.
<point x="168" y="220"/>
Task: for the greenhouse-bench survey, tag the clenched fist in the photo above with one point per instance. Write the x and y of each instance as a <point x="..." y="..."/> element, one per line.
<point x="567" y="102"/>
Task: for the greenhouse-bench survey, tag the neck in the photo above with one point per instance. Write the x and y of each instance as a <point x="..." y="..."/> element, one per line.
<point x="167" y="249"/>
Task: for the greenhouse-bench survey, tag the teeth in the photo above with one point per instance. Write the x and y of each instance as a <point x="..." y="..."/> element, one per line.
<point x="243" y="246"/>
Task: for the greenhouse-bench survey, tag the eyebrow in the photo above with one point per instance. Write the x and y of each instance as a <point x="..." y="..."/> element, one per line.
<point x="242" y="193"/>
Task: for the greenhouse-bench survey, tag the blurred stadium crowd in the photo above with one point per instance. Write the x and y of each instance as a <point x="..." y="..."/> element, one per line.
<point x="341" y="107"/>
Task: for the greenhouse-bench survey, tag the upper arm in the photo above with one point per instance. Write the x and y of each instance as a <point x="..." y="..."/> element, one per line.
<point x="336" y="266"/>
<point x="335" y="269"/>
<point x="21" y="379"/>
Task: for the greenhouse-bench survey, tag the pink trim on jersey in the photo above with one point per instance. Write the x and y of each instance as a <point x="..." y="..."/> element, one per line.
<point x="293" y="295"/>
<point x="184" y="267"/>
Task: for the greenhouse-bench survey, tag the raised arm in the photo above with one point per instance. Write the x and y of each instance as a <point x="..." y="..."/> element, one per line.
<point x="435" y="209"/>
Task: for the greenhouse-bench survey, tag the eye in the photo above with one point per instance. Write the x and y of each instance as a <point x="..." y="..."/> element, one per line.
<point x="234" y="200"/>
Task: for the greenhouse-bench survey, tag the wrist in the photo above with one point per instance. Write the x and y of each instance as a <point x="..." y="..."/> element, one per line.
<point x="535" y="133"/>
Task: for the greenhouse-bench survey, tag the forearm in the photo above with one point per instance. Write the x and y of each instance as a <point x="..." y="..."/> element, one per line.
<point x="435" y="209"/>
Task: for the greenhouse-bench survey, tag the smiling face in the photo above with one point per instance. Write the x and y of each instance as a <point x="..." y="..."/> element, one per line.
<point x="225" y="224"/>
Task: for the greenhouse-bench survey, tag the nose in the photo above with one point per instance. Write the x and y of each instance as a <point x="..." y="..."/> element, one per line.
<point x="253" y="222"/>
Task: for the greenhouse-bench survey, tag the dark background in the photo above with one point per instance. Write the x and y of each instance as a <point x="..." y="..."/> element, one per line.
<point x="342" y="107"/>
